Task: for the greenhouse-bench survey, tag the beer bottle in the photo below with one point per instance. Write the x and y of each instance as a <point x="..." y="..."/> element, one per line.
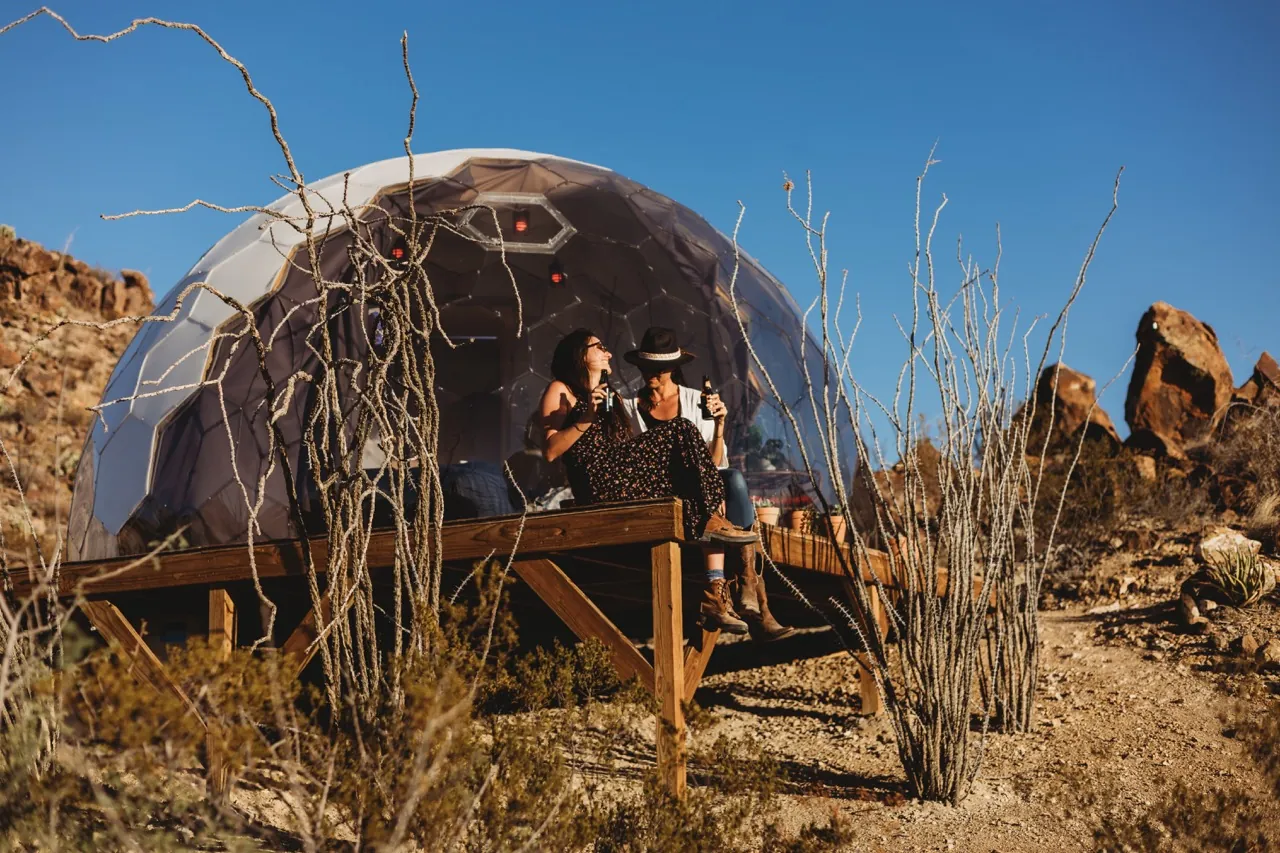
<point x="706" y="390"/>
<point x="606" y="405"/>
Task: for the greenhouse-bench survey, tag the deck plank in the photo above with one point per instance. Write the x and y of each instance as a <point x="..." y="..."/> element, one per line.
<point x="819" y="554"/>
<point x="543" y="533"/>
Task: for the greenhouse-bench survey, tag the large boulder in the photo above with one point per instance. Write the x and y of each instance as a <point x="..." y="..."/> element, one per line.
<point x="1181" y="383"/>
<point x="1073" y="405"/>
<point x="1218" y="544"/>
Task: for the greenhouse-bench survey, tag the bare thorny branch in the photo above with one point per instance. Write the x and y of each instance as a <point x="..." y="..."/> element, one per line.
<point x="975" y="528"/>
<point x="388" y="400"/>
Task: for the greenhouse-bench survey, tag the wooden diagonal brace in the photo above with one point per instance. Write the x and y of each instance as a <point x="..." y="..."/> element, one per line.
<point x="144" y="664"/>
<point x="696" y="659"/>
<point x="301" y="646"/>
<point x="582" y="616"/>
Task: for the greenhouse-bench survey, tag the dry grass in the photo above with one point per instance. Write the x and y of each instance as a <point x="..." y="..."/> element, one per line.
<point x="1263" y="524"/>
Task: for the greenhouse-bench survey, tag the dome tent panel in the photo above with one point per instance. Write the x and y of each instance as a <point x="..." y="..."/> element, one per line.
<point x="633" y="257"/>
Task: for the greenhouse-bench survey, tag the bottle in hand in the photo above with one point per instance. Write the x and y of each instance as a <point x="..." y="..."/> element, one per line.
<point x="706" y="391"/>
<point x="606" y="406"/>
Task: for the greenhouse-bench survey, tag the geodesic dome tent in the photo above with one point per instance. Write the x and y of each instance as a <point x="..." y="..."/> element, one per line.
<point x="182" y="435"/>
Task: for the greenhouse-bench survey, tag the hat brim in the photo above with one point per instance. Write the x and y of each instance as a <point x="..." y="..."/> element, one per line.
<point x="637" y="358"/>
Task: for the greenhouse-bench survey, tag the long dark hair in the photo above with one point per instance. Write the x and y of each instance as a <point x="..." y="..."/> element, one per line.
<point x="569" y="365"/>
<point x="569" y="361"/>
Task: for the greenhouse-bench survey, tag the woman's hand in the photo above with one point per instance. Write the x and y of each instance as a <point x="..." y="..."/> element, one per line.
<point x="718" y="413"/>
<point x="717" y="408"/>
<point x="598" y="395"/>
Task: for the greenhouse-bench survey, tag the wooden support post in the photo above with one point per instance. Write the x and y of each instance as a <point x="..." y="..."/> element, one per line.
<point x="877" y="620"/>
<point x="222" y="622"/>
<point x="668" y="665"/>
<point x="146" y="667"/>
<point x="222" y="638"/>
<point x="582" y="616"/>
<point x="695" y="661"/>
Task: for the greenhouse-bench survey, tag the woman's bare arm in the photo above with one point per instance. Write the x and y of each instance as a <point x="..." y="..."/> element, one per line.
<point x="553" y="411"/>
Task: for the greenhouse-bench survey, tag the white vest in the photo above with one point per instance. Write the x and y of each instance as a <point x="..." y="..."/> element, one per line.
<point x="690" y="410"/>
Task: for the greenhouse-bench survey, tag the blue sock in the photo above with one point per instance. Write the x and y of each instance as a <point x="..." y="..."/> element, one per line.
<point x="715" y="575"/>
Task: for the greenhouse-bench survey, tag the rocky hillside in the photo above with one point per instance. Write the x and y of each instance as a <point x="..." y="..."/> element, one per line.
<point x="44" y="414"/>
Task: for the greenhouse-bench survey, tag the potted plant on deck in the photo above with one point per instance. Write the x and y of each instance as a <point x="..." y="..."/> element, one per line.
<point x="837" y="526"/>
<point x="799" y="507"/>
<point x="766" y="511"/>
<point x="811" y="522"/>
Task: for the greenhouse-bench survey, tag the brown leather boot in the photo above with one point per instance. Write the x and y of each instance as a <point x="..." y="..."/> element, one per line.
<point x="717" y="610"/>
<point x="720" y="531"/>
<point x="747" y="599"/>
<point x="764" y="628"/>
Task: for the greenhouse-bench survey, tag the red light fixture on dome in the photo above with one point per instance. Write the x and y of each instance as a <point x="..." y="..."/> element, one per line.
<point x="557" y="274"/>
<point x="398" y="255"/>
<point x="521" y="220"/>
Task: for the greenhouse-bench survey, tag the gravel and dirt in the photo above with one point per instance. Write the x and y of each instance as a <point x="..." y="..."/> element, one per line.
<point x="1129" y="704"/>
<point x="1110" y="720"/>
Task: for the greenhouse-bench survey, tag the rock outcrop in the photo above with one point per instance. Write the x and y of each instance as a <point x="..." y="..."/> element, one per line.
<point x="1074" y="407"/>
<point x="1181" y="383"/>
<point x="1262" y="388"/>
<point x="51" y="281"/>
<point x="44" y="409"/>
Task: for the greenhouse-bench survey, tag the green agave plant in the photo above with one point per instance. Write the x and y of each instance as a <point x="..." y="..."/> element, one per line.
<point x="1242" y="576"/>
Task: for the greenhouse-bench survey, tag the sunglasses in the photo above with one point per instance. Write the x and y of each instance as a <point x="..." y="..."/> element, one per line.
<point x="600" y="344"/>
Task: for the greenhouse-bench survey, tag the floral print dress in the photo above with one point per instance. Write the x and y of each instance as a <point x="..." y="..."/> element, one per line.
<point x="668" y="460"/>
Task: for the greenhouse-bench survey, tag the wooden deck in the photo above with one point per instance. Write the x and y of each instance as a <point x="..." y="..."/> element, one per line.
<point x="654" y="527"/>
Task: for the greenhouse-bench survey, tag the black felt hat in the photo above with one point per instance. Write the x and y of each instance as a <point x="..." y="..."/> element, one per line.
<point x="658" y="349"/>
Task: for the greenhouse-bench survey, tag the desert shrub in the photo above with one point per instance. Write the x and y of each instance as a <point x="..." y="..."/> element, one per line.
<point x="561" y="678"/>
<point x="117" y="777"/>
<point x="736" y="810"/>
<point x="432" y="768"/>
<point x="1263" y="523"/>
<point x="1246" y="449"/>
<point x="1106" y="492"/>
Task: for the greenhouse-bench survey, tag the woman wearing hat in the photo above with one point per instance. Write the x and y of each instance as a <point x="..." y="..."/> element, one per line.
<point x="606" y="461"/>
<point x="666" y="398"/>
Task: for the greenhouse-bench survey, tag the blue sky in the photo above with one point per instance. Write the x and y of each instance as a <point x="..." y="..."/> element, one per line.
<point x="1034" y="106"/>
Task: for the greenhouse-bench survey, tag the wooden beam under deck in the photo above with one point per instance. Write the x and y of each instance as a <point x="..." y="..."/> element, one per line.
<point x="222" y="638"/>
<point x="668" y="665"/>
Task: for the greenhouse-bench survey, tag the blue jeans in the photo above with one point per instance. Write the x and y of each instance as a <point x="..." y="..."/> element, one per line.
<point x="737" y="500"/>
